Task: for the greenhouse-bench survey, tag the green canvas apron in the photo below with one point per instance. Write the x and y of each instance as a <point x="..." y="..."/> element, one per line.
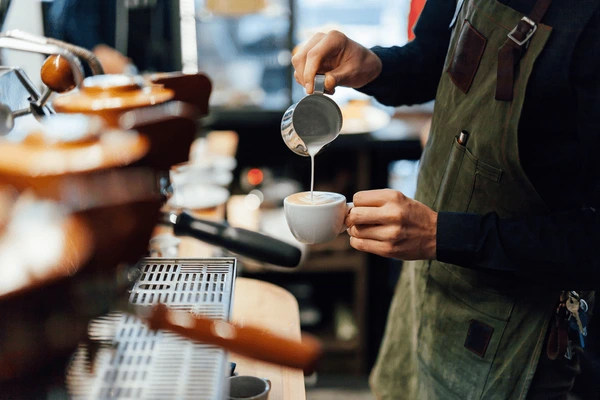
<point x="425" y="353"/>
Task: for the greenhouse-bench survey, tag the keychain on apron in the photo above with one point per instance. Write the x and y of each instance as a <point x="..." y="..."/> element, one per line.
<point x="577" y="317"/>
<point x="571" y="316"/>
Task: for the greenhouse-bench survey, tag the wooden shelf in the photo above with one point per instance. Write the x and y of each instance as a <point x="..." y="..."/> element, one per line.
<point x="332" y="344"/>
<point x="339" y="244"/>
<point x="348" y="261"/>
<point x="320" y="260"/>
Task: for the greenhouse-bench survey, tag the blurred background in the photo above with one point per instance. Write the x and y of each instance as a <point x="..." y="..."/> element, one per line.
<point x="245" y="48"/>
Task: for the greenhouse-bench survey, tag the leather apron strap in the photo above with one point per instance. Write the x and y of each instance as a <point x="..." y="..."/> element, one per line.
<point x="511" y="52"/>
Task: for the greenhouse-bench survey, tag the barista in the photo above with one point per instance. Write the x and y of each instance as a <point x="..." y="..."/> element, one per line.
<point x="506" y="212"/>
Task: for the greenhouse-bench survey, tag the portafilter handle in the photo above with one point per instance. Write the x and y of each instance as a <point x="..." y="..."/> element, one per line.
<point x="249" y="341"/>
<point x="237" y="240"/>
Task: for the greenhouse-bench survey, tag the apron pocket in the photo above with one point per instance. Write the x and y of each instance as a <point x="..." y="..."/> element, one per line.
<point x="460" y="331"/>
<point x="466" y="56"/>
<point x="465" y="178"/>
<point x="484" y="197"/>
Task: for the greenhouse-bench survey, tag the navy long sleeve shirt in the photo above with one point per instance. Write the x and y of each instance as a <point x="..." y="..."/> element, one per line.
<point x="559" y="146"/>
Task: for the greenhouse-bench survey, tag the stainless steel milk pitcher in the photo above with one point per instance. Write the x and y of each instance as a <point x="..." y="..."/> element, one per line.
<point x="313" y="122"/>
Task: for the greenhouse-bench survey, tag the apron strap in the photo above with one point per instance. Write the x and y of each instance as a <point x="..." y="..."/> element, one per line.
<point x="512" y="50"/>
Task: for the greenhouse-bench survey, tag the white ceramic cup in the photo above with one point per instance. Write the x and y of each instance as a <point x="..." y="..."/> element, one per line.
<point x="318" y="222"/>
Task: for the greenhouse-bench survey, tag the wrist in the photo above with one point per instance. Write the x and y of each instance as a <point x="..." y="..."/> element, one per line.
<point x="377" y="74"/>
<point x="375" y="66"/>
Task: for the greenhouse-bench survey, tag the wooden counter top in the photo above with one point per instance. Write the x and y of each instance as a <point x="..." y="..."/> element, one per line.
<point x="269" y="306"/>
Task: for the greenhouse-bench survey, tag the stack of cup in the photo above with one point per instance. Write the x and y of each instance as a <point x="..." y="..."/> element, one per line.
<point x="200" y="184"/>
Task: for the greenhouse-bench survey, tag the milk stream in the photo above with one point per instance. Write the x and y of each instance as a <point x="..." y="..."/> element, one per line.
<point x="313" y="149"/>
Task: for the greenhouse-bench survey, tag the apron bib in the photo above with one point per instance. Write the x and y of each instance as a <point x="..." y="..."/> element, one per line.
<point x="453" y="332"/>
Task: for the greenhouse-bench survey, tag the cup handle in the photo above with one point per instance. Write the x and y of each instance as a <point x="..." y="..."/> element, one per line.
<point x="349" y="206"/>
<point x="270" y="385"/>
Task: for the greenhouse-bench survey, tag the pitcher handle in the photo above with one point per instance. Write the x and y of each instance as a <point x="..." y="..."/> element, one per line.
<point x="319" y="86"/>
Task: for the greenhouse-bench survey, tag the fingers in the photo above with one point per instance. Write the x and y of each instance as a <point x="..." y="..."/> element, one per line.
<point x="377" y="198"/>
<point x="329" y="47"/>
<point x="384" y="249"/>
<point x="376" y="207"/>
<point x="339" y="76"/>
<point x="318" y="56"/>
<point x="376" y="232"/>
<point x="330" y="82"/>
<point x="368" y="216"/>
<point x="299" y="59"/>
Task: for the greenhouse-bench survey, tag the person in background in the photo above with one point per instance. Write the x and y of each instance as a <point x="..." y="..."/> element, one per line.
<point x="504" y="231"/>
<point x="88" y="24"/>
<point x="92" y="24"/>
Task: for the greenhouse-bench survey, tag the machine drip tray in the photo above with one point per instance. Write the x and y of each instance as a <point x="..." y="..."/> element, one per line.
<point x="128" y="361"/>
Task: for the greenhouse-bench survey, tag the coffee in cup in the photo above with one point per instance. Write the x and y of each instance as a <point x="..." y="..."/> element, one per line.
<point x="318" y="218"/>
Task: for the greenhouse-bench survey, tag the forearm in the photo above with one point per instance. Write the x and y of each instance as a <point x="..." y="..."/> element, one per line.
<point x="554" y="249"/>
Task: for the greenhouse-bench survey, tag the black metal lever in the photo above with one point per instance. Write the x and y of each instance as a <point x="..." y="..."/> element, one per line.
<point x="237" y="240"/>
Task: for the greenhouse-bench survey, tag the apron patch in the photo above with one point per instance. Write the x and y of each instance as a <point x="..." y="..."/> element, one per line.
<point x="466" y="56"/>
<point x="478" y="337"/>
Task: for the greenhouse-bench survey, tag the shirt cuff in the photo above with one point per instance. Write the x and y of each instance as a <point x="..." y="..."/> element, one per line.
<point x="457" y="238"/>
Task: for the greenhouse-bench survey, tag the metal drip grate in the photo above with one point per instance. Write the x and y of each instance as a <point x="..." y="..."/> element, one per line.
<point x="135" y="363"/>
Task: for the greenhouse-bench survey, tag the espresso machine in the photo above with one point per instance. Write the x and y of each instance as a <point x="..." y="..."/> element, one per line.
<point x="84" y="313"/>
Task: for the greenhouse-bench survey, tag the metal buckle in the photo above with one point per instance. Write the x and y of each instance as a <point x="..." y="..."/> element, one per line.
<point x="527" y="36"/>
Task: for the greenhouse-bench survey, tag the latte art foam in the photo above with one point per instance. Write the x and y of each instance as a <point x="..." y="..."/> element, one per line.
<point x="320" y="198"/>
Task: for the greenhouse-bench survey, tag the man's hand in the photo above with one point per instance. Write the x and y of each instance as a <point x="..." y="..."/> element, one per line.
<point x="343" y="61"/>
<point x="389" y="224"/>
